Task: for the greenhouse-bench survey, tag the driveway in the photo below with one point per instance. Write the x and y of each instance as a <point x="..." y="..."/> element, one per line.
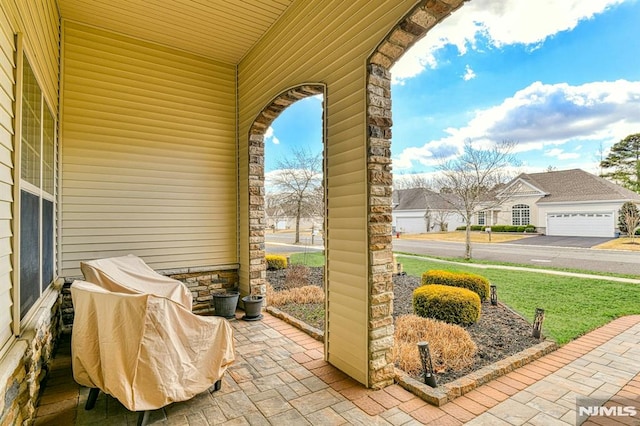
<point x="548" y="240"/>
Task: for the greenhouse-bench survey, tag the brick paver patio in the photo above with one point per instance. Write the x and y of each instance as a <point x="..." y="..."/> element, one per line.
<point x="280" y="378"/>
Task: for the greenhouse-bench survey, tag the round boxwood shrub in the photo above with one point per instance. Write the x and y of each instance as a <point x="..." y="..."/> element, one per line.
<point x="454" y="305"/>
<point x="473" y="282"/>
<point x="275" y="262"/>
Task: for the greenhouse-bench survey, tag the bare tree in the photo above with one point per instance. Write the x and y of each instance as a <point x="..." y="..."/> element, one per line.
<point x="474" y="177"/>
<point x="297" y="184"/>
<point x="273" y="209"/>
<point x="411" y="181"/>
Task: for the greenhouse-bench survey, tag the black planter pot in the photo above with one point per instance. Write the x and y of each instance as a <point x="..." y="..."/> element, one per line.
<point x="224" y="304"/>
<point x="252" y="307"/>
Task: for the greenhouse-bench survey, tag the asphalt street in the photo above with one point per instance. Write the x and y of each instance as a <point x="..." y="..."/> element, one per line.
<point x="547" y="255"/>
<point x="586" y="259"/>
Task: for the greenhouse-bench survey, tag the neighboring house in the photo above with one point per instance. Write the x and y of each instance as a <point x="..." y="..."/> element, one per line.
<point x="132" y="126"/>
<point x="565" y="203"/>
<point x="419" y="210"/>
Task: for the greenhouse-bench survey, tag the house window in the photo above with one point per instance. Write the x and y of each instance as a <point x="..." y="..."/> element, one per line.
<point x="37" y="198"/>
<point x="482" y="218"/>
<point x="520" y="214"/>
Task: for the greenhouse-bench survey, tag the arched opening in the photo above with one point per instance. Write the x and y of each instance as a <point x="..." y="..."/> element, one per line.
<point x="408" y="31"/>
<point x="257" y="217"/>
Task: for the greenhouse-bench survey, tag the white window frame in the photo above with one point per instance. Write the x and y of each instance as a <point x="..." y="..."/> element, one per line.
<point x="482" y="218"/>
<point x="521" y="209"/>
<point x="19" y="319"/>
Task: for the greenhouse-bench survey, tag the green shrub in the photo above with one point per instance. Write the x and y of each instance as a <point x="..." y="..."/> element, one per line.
<point x="454" y="305"/>
<point x="473" y="228"/>
<point x="275" y="262"/>
<point x="473" y="282"/>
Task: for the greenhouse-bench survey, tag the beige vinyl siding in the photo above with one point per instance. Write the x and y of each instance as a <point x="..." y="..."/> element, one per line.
<point x="38" y="22"/>
<point x="7" y="82"/>
<point x="219" y="30"/>
<point x="326" y="42"/>
<point x="148" y="153"/>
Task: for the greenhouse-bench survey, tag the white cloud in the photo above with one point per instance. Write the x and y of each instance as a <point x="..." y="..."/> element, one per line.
<point x="269" y="136"/>
<point x="561" y="155"/>
<point x="530" y="22"/>
<point x="469" y="74"/>
<point x="542" y="116"/>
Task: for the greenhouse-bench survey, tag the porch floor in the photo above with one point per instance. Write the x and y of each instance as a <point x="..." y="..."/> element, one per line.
<point x="280" y="378"/>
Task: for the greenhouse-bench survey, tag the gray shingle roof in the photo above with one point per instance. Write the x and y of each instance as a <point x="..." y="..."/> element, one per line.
<point x="419" y="199"/>
<point x="576" y="185"/>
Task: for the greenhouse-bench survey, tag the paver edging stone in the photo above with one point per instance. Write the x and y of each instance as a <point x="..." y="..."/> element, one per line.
<point x="449" y="391"/>
<point x="303" y="326"/>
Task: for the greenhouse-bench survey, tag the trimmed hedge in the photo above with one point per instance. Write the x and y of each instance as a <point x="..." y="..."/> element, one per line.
<point x="275" y="262"/>
<point x="500" y="228"/>
<point x="473" y="282"/>
<point x="454" y="305"/>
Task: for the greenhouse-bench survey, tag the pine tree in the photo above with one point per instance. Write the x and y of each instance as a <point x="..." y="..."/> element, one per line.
<point x="623" y="163"/>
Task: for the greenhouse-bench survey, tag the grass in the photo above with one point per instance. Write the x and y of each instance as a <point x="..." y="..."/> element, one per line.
<point x="522" y="265"/>
<point x="459" y="236"/>
<point x="311" y="259"/>
<point x="573" y="306"/>
<point x="623" y="243"/>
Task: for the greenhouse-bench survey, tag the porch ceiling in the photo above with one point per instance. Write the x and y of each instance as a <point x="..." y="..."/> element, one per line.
<point x="223" y="30"/>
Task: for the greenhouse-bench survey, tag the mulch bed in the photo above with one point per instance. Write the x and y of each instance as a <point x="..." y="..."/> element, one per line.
<point x="499" y="332"/>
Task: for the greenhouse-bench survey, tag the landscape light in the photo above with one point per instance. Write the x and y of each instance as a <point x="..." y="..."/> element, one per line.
<point x="537" y="323"/>
<point x="494" y="295"/>
<point x="427" y="365"/>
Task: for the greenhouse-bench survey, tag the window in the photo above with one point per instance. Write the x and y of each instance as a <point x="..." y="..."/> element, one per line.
<point x="520" y="215"/>
<point x="37" y="183"/>
<point x="482" y="218"/>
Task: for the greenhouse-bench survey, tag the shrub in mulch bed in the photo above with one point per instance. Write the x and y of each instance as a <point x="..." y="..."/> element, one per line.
<point x="450" y="346"/>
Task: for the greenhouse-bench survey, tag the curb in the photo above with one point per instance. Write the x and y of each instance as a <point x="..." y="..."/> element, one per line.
<point x="311" y="331"/>
<point x="449" y="391"/>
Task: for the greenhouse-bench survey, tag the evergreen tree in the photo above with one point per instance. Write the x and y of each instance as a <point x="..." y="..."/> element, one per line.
<point x="623" y="163"/>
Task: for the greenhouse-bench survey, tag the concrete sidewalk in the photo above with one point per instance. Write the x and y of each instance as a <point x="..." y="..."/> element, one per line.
<point x="280" y="378"/>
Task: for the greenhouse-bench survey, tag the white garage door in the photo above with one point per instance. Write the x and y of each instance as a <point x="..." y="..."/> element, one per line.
<point x="581" y="224"/>
<point x="411" y="225"/>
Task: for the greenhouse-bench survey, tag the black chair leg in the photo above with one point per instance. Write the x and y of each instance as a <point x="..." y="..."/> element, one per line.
<point x="217" y="385"/>
<point x="91" y="399"/>
<point x="143" y="418"/>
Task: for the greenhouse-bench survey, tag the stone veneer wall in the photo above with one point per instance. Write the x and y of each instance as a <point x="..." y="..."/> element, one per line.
<point x="203" y="284"/>
<point x="409" y="30"/>
<point x="27" y="360"/>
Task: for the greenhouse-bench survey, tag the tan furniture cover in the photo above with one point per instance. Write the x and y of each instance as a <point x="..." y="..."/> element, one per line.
<point x="146" y="351"/>
<point x="129" y="274"/>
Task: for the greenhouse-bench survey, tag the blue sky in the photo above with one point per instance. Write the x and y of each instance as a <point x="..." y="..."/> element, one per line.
<point x="560" y="78"/>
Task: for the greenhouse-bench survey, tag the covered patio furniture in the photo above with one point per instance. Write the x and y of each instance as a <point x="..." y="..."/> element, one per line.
<point x="146" y="351"/>
<point x="130" y="274"/>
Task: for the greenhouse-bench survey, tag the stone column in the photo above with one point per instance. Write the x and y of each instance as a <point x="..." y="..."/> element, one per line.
<point x="413" y="27"/>
<point x="257" y="262"/>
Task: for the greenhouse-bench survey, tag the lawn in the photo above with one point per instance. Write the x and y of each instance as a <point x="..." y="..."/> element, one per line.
<point x="573" y="306"/>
